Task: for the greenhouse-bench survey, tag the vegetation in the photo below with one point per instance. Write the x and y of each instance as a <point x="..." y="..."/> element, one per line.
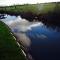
<point x="45" y="12"/>
<point x="33" y="8"/>
<point x="9" y="50"/>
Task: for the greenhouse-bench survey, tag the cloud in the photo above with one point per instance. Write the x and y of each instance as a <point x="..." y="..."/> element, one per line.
<point x="41" y="36"/>
<point x="23" y="39"/>
<point x="22" y="25"/>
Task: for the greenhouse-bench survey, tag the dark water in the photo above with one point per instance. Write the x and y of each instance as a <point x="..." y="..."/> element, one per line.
<point x="46" y="47"/>
<point x="45" y="41"/>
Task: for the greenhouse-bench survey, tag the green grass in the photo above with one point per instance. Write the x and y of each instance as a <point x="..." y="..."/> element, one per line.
<point x="34" y="8"/>
<point x="9" y="50"/>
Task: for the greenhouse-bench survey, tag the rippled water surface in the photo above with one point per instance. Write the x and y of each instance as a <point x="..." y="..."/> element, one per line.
<point x="43" y="42"/>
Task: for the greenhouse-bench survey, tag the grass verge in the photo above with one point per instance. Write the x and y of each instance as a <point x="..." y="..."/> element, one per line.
<point x="9" y="50"/>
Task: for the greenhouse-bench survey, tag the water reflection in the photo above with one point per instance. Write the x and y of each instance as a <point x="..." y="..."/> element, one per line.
<point x="45" y="46"/>
<point x="42" y="40"/>
<point x="2" y="16"/>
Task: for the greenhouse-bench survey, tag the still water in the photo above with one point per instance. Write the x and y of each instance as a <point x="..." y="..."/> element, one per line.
<point x="43" y="42"/>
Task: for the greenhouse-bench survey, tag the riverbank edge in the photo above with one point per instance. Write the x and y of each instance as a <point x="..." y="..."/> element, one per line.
<point x="20" y="45"/>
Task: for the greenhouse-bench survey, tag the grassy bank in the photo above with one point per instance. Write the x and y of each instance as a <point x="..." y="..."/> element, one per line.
<point x="30" y="11"/>
<point x="9" y="50"/>
<point x="45" y="12"/>
<point x="33" y="8"/>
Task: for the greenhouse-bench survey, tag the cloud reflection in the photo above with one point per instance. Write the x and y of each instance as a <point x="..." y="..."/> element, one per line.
<point x="43" y="37"/>
<point x="23" y="24"/>
<point x="19" y="26"/>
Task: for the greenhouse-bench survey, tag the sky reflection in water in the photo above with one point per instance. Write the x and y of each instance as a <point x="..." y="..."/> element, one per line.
<point x="44" y="42"/>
